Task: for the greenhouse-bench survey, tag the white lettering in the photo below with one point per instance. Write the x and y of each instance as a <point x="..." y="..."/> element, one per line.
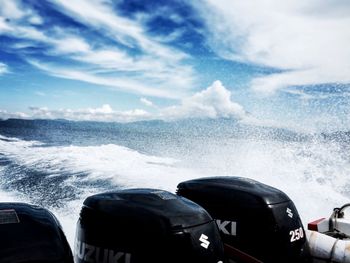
<point x="88" y="253"/>
<point x="93" y="254"/>
<point x="227" y="227"/>
<point x="289" y="212"/>
<point x="80" y="249"/>
<point x="113" y="258"/>
<point x="205" y="242"/>
<point x="296" y="234"/>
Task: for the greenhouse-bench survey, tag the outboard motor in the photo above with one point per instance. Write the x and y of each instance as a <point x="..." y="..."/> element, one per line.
<point x="145" y="225"/>
<point x="31" y="234"/>
<point x="258" y="223"/>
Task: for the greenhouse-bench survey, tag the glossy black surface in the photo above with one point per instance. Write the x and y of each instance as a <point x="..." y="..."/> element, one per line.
<point x="234" y="191"/>
<point x="145" y="225"/>
<point x="255" y="218"/>
<point x="31" y="234"/>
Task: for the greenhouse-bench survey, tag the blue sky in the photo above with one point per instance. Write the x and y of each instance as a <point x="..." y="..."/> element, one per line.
<point x="282" y="63"/>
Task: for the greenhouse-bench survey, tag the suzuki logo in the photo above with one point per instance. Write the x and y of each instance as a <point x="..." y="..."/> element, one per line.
<point x="205" y="242"/>
<point x="289" y="212"/>
<point x="93" y="254"/>
<point x="227" y="227"/>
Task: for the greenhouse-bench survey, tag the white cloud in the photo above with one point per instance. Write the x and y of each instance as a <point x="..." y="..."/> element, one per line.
<point x="3" y="25"/>
<point x="308" y="40"/>
<point x="14" y="29"/>
<point x="70" y="44"/>
<point x="36" y="20"/>
<point x="161" y="74"/>
<point x="14" y="11"/>
<point x="156" y="69"/>
<point x="147" y="102"/>
<point x="60" y="41"/>
<point x="105" y="109"/>
<point x="213" y="102"/>
<point x="120" y="83"/>
<point x="157" y="65"/>
<point x="11" y="9"/>
<point x="104" y="113"/>
<point x="4" y="114"/>
<point x="307" y="96"/>
<point x="3" y="69"/>
<point x="100" y="15"/>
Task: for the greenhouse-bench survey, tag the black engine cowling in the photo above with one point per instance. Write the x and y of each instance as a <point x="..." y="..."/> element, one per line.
<point x="31" y="234"/>
<point x="257" y="222"/>
<point x="145" y="225"/>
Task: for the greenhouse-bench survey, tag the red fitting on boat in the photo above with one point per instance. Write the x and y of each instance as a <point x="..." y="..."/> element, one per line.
<point x="320" y="225"/>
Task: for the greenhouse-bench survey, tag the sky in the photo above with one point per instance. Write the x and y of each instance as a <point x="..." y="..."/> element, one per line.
<point x="267" y="62"/>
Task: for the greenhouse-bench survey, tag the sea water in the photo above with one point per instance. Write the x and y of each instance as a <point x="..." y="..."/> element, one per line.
<point x="57" y="164"/>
